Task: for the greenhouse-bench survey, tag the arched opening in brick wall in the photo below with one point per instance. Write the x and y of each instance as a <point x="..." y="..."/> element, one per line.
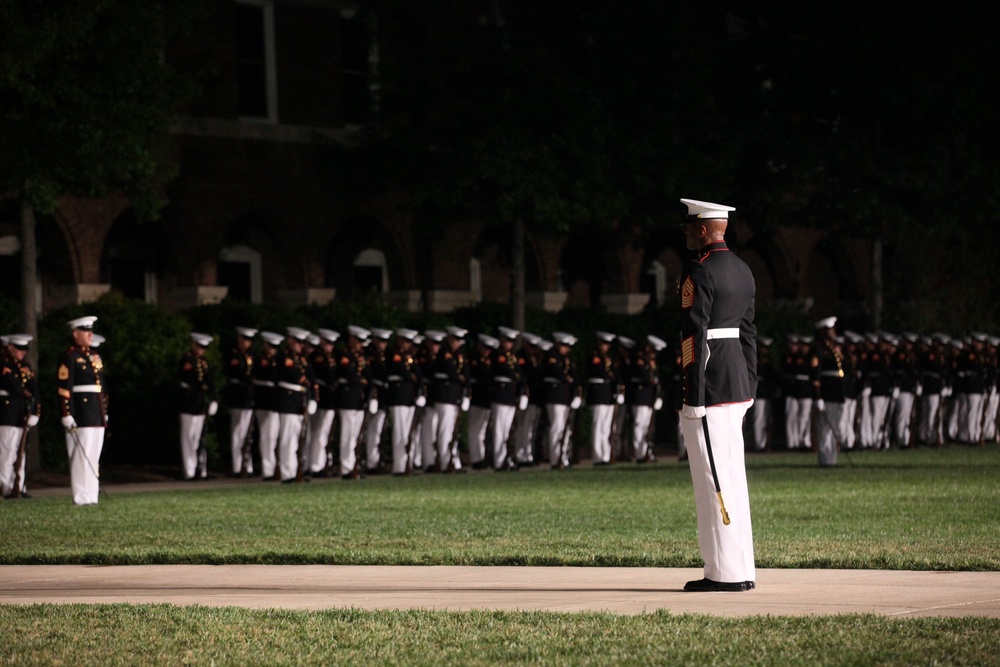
<point x="492" y="253"/>
<point x="831" y="282"/>
<point x="132" y="258"/>
<point x="364" y="256"/>
<point x="250" y="257"/>
<point x="587" y="268"/>
<point x="771" y="270"/>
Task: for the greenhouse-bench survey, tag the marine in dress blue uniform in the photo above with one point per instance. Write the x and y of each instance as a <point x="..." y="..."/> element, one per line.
<point x="323" y="361"/>
<point x="196" y="399"/>
<point x="402" y="384"/>
<point x="20" y="410"/>
<point x="237" y="398"/>
<point x="719" y="356"/>
<point x="562" y="395"/>
<point x="507" y="394"/>
<point x="83" y="404"/>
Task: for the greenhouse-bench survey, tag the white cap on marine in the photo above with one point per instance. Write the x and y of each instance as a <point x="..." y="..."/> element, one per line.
<point x="703" y="210"/>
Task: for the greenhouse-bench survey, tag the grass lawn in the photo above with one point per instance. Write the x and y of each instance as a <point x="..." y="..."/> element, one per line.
<point x="921" y="509"/>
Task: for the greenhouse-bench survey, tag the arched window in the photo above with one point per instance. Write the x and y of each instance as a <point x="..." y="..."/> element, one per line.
<point x="370" y="271"/>
<point x="239" y="270"/>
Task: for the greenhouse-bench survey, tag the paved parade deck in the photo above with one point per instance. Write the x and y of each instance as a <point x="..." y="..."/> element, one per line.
<point x="566" y="589"/>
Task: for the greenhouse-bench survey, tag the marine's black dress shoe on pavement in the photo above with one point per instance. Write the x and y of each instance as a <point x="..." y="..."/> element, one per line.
<point x="709" y="586"/>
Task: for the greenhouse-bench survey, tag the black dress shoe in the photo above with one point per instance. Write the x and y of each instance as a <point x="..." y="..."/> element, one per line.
<point x="709" y="586"/>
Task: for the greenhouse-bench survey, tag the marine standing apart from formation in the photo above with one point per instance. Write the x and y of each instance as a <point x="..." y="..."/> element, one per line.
<point x="719" y="357"/>
<point x="83" y="404"/>
<point x="19" y="411"/>
<point x="829" y="386"/>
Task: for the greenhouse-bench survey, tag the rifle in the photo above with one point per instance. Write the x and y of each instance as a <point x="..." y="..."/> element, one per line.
<point x="19" y="459"/>
<point x="247" y="451"/>
<point x="565" y="438"/>
<point x="411" y="443"/>
<point x="303" y="443"/>
<point x="650" y="437"/>
<point x="614" y="435"/>
<point x="202" y="467"/>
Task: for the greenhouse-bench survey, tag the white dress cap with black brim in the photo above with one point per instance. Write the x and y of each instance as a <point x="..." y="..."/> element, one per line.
<point x="406" y="334"/>
<point x="826" y="323"/>
<point x="530" y="338"/>
<point x="625" y="342"/>
<point x="605" y="337"/>
<point x="704" y="210"/>
<point x="246" y="332"/>
<point x="298" y="333"/>
<point x="329" y="335"/>
<point x="19" y="340"/>
<point x="272" y="338"/>
<point x="563" y="338"/>
<point x="83" y="323"/>
<point x="489" y="341"/>
<point x="435" y="335"/>
<point x="381" y="334"/>
<point x="201" y="339"/>
<point x="456" y="332"/>
<point x="360" y="333"/>
<point x="508" y="333"/>
<point x="657" y="342"/>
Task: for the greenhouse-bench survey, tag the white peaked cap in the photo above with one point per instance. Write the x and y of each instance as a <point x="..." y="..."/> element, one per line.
<point x="408" y="334"/>
<point x="199" y="338"/>
<point x="765" y="341"/>
<point x="563" y="338"/>
<point x="657" y="342"/>
<point x="83" y="322"/>
<point x="489" y="341"/>
<point x="360" y="333"/>
<point x="297" y="333"/>
<point x="544" y="345"/>
<point x="508" y="333"/>
<point x="626" y="342"/>
<point x="313" y="339"/>
<point x="246" y="332"/>
<point x="435" y="335"/>
<point x="22" y="340"/>
<point x="384" y="334"/>
<point x="456" y="332"/>
<point x="530" y="338"/>
<point x="826" y="323"/>
<point x="704" y="210"/>
<point x="605" y="336"/>
<point x="272" y="338"/>
<point x="329" y="335"/>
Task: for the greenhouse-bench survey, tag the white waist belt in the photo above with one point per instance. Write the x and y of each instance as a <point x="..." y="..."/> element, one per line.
<point x="263" y="383"/>
<point x="87" y="389"/>
<point x="4" y="392"/>
<point x="595" y="380"/>
<point x="291" y="387"/>
<point x="732" y="332"/>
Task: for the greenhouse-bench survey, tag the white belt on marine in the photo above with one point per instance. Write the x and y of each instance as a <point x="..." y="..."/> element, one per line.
<point x="730" y="332"/>
<point x="87" y="389"/>
<point x="263" y="383"/>
<point x="291" y="387"/>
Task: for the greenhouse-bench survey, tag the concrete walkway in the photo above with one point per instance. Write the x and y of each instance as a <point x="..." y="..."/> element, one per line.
<point x="563" y="589"/>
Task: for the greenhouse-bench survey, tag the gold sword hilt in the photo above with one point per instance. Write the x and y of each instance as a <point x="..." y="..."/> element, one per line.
<point x="722" y="508"/>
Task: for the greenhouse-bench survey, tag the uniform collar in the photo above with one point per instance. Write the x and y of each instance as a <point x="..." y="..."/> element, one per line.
<point x="711" y="247"/>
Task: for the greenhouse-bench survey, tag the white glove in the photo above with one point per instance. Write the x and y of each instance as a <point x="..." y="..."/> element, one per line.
<point x="658" y="403"/>
<point x="866" y="392"/>
<point x="693" y="411"/>
<point x="946" y="392"/>
<point x="920" y="389"/>
<point x="311" y="407"/>
<point x="421" y="401"/>
<point x="373" y="406"/>
<point x="68" y="422"/>
<point x="576" y="403"/>
<point x="522" y="402"/>
<point x="820" y="405"/>
<point x="32" y="420"/>
<point x="465" y="404"/>
<point x="213" y="407"/>
<point x="620" y="399"/>
<point x="895" y="393"/>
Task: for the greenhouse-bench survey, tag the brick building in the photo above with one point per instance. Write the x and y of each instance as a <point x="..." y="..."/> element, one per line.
<point x="255" y="213"/>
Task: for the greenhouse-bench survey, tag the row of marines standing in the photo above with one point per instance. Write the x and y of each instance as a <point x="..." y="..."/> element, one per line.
<point x="297" y="385"/>
<point x="877" y="390"/>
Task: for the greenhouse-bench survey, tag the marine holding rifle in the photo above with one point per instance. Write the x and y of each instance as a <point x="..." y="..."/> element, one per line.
<point x="19" y="411"/>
